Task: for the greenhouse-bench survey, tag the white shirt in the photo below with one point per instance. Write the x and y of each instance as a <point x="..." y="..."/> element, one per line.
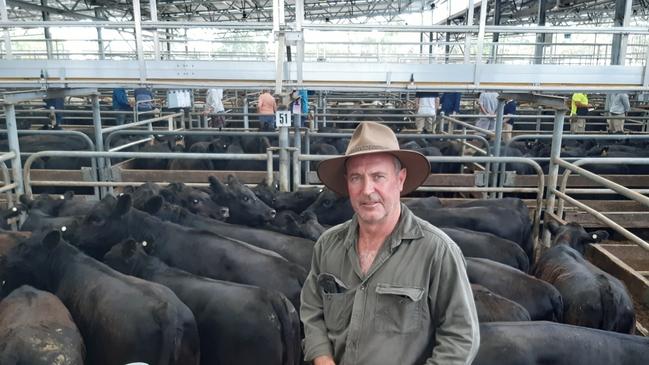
<point x="620" y="103"/>
<point x="427" y="105"/>
<point x="214" y="101"/>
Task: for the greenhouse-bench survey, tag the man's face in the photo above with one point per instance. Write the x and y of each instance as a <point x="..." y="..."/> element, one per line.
<point x="374" y="187"/>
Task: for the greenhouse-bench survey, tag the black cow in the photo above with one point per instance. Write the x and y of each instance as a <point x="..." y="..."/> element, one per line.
<point x="122" y="319"/>
<point x="58" y="205"/>
<point x="37" y="221"/>
<point x="36" y="329"/>
<point x="200" y="252"/>
<point x="537" y="343"/>
<point x="295" y="249"/>
<point x="9" y="215"/>
<point x="330" y="208"/>
<point x="195" y="200"/>
<point x="187" y="164"/>
<point x="304" y="225"/>
<point x="296" y="201"/>
<point x="542" y="300"/>
<point x="489" y="246"/>
<point x="591" y="297"/>
<point x="492" y="307"/>
<point x="245" y="207"/>
<point x="237" y="324"/>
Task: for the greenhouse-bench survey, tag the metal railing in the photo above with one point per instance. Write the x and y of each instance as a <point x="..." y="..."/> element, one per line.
<point x="8" y="186"/>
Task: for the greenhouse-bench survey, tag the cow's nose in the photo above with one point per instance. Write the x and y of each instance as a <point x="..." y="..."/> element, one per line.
<point x="225" y="212"/>
<point x="273" y="213"/>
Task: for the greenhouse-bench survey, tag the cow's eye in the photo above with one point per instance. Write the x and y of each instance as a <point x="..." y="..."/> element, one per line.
<point x="327" y="203"/>
<point x="245" y="198"/>
<point x="95" y="220"/>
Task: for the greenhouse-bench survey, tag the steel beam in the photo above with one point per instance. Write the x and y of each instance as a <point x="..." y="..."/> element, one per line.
<point x="154" y="18"/>
<point x="17" y="97"/>
<point x="51" y="10"/>
<point x="468" y="36"/>
<point x="137" y="19"/>
<point x="478" y="57"/>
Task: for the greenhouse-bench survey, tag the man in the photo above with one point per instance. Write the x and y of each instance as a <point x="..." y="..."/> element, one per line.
<point x="450" y="103"/>
<point x="618" y="108"/>
<point x="214" y="108"/>
<point x="385" y="287"/>
<point x="56" y="104"/>
<point x="267" y="106"/>
<point x="578" y="109"/>
<point x="426" y="104"/>
<point x="120" y="105"/>
<point x="488" y="103"/>
<point x="508" y="120"/>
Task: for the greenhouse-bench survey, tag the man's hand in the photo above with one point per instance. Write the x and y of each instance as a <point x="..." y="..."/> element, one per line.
<point x="324" y="360"/>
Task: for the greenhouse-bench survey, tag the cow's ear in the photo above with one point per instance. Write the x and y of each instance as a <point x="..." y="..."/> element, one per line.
<point x="153" y="204"/>
<point x="25" y="201"/>
<point x="68" y="195"/>
<point x="553" y="227"/>
<point x="598" y="236"/>
<point x="52" y="239"/>
<point x="129" y="189"/>
<point x="216" y="185"/>
<point x="129" y="247"/>
<point x="167" y="195"/>
<point x="124" y="203"/>
<point x="232" y="180"/>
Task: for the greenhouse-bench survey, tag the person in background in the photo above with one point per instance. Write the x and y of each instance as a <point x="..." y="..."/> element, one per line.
<point x="488" y="103"/>
<point x="266" y="106"/>
<point x="385" y="287"/>
<point x="143" y="99"/>
<point x="57" y="104"/>
<point x="619" y="107"/>
<point x="426" y="104"/>
<point x="214" y="108"/>
<point x="578" y="110"/>
<point x="508" y="120"/>
<point x="449" y="105"/>
<point x="120" y="104"/>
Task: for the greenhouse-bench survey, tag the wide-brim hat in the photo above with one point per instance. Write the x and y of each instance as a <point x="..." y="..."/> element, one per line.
<point x="371" y="138"/>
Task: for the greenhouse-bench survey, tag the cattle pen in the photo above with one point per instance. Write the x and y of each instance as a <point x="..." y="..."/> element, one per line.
<point x="512" y="139"/>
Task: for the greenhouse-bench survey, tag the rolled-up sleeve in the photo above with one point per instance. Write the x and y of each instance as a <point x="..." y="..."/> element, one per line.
<point x="457" y="335"/>
<point x="316" y="342"/>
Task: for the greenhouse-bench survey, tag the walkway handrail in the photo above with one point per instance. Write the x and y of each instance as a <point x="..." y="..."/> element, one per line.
<point x="470" y="126"/>
<point x="607" y="183"/>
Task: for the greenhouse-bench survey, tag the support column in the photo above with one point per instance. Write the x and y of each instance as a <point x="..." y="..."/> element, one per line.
<point x="621" y="19"/>
<point x="299" y="20"/>
<point x="100" y="38"/>
<point x="447" y="47"/>
<point x="48" y="35"/>
<point x="137" y="19"/>
<point x="278" y="21"/>
<point x="7" y="37"/>
<point x="478" y="59"/>
<point x="99" y="142"/>
<point x="553" y="170"/>
<point x="468" y="35"/>
<point x="541" y="38"/>
<point x="496" y="35"/>
<point x="12" y="135"/>
<point x="498" y="140"/>
<point x="153" y="9"/>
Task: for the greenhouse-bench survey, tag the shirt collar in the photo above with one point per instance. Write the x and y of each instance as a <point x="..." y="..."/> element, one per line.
<point x="408" y="228"/>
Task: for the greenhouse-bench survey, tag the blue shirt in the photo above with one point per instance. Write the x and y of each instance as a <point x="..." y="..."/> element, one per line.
<point x="510" y="108"/>
<point x="450" y="103"/>
<point x="120" y="100"/>
<point x="305" y="101"/>
<point x="142" y="94"/>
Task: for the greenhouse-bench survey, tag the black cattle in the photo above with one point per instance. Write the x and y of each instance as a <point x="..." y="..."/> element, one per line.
<point x="9" y="239"/>
<point x="36" y="329"/>
<point x="37" y="221"/>
<point x="591" y="297"/>
<point x="158" y="145"/>
<point x="245" y="207"/>
<point x="187" y="164"/>
<point x="296" y="201"/>
<point x="122" y="319"/>
<point x="58" y="205"/>
<point x="200" y="252"/>
<point x="9" y="215"/>
<point x="237" y="324"/>
<point x="304" y="225"/>
<point x="330" y="208"/>
<point x="422" y="204"/>
<point x="542" y="300"/>
<point x="538" y="343"/>
<point x="492" y="307"/>
<point x="489" y="246"/>
<point x="295" y="249"/>
<point x="195" y="200"/>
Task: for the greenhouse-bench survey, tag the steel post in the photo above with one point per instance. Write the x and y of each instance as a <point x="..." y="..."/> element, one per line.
<point x="553" y="170"/>
<point x="246" y="121"/>
<point x="14" y="146"/>
<point x="284" y="163"/>
<point x="7" y="36"/>
<point x="498" y="138"/>
<point x="99" y="145"/>
<point x="139" y="44"/>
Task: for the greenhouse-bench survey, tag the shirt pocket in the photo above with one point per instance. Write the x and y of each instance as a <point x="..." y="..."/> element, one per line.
<point x="398" y="308"/>
<point x="337" y="308"/>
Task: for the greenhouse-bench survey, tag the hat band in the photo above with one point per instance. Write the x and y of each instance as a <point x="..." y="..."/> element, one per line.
<point x="367" y="147"/>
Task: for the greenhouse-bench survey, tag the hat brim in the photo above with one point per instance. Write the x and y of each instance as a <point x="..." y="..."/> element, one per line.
<point x="331" y="172"/>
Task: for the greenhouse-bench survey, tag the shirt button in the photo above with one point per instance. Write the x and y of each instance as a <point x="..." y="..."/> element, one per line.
<point x="363" y="287"/>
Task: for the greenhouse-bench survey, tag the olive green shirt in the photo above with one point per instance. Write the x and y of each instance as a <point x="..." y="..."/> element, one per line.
<point x="414" y="305"/>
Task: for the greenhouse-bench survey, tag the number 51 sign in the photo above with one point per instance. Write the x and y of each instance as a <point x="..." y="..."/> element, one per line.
<point x="283" y="118"/>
